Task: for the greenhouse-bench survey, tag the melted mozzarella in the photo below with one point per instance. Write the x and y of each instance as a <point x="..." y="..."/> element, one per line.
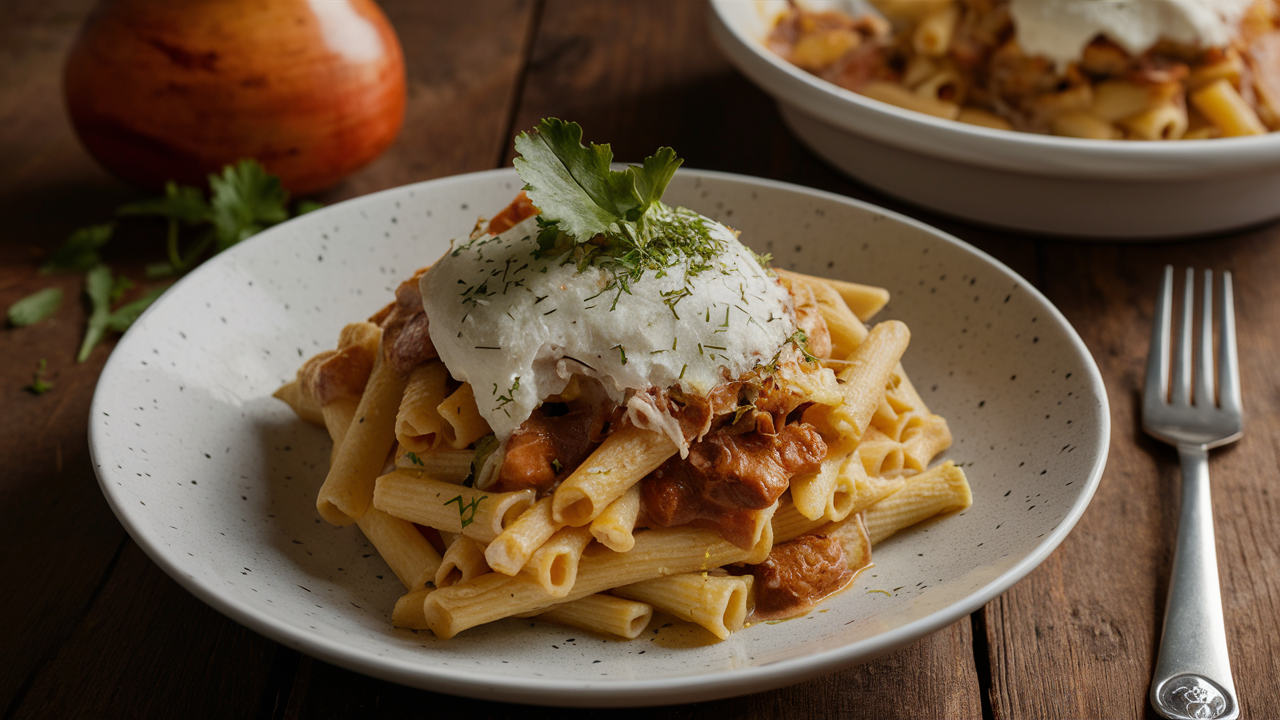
<point x="519" y="327"/>
<point x="1060" y="29"/>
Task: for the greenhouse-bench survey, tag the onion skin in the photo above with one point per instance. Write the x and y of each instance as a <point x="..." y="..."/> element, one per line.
<point x="162" y="90"/>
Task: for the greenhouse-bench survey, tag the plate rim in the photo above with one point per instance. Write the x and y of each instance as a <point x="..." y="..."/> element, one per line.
<point x="608" y="693"/>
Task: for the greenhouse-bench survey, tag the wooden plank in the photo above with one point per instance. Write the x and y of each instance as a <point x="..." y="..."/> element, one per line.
<point x="929" y="679"/>
<point x="148" y="648"/>
<point x="1078" y="637"/>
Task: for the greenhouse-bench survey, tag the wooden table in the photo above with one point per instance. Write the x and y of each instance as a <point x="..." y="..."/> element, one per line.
<point x="89" y="626"/>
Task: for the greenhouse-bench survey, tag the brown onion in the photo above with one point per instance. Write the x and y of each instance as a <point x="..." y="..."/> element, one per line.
<point x="176" y="90"/>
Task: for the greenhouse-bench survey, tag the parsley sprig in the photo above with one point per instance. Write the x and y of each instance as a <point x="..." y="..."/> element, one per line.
<point x="244" y="199"/>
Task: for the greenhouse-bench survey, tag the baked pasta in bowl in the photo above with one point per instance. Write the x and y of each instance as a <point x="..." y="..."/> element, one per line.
<point x="1022" y="112"/>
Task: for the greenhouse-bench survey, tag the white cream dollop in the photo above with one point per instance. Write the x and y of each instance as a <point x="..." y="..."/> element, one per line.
<point x="518" y="327"/>
<point x="1060" y="29"/>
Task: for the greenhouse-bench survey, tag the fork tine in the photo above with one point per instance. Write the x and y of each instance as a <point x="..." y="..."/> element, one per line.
<point x="1228" y="364"/>
<point x="1204" y="355"/>
<point x="1157" y="381"/>
<point x="1180" y="392"/>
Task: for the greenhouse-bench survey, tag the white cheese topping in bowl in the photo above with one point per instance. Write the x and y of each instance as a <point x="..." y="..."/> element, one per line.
<point x="518" y="326"/>
<point x="1060" y="29"/>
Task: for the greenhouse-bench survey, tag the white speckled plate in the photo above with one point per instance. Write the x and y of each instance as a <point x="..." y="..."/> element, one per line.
<point x="216" y="480"/>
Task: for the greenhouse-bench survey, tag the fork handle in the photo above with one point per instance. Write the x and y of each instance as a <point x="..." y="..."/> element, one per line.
<point x="1192" y="678"/>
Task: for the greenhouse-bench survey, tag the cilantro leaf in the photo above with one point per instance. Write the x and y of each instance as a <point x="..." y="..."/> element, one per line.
<point x="35" y="307"/>
<point x="97" y="287"/>
<point x="123" y="317"/>
<point x="575" y="188"/>
<point x="180" y="202"/>
<point x="80" y="251"/>
<point x="246" y="200"/>
<point x="102" y="291"/>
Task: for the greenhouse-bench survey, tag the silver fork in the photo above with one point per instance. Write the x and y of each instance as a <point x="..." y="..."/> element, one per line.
<point x="1192" y="678"/>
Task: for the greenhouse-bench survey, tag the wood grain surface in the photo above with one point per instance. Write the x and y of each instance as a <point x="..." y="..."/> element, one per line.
<point x="90" y="627"/>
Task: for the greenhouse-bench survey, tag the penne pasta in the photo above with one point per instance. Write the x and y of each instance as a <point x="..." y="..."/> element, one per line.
<point x="622" y="459"/>
<point x="348" y="488"/>
<point x="1221" y="103"/>
<point x="864" y="383"/>
<point x="419" y="426"/>
<point x="408" y="610"/>
<point x="932" y="37"/>
<point x="300" y="402"/>
<point x="461" y="423"/>
<point x="718" y="603"/>
<point x="555" y="564"/>
<point x="614" y="527"/>
<point x="447" y="507"/>
<point x="404" y="549"/>
<point x="511" y="550"/>
<point x="897" y="95"/>
<point x="463" y="560"/>
<point x="939" y="490"/>
<point x="602" y="614"/>
<point x="811" y="493"/>
<point x="451" y="466"/>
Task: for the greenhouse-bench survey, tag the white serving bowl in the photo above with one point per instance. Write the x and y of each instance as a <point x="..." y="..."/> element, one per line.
<point x="1023" y="181"/>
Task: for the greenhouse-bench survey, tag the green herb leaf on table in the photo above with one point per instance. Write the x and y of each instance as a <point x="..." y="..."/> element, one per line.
<point x="80" y="251"/>
<point x="97" y="287"/>
<point x="35" y="307"/>
<point x="100" y="288"/>
<point x="246" y="200"/>
<point x="180" y="202"/>
<point x="123" y="316"/>
<point x="39" y="385"/>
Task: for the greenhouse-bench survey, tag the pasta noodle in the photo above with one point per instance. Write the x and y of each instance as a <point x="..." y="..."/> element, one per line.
<point x="602" y="614"/>
<point x="716" y="602"/>
<point x="621" y="460"/>
<point x="348" y="488"/>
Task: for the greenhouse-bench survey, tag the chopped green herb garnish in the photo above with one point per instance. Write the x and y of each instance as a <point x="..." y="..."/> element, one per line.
<point x="246" y="200"/>
<point x="555" y="465"/>
<point x="35" y="307"/>
<point x="413" y="458"/>
<point x="467" y="511"/>
<point x="801" y="341"/>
